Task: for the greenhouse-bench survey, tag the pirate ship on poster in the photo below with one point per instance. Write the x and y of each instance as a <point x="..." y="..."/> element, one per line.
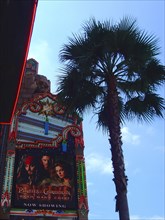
<point x="45" y="169"/>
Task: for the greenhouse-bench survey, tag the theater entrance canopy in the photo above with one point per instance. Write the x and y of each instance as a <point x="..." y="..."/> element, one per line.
<point x="16" y="25"/>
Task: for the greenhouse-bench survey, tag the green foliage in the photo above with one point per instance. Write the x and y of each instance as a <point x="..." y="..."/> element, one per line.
<point x="106" y="57"/>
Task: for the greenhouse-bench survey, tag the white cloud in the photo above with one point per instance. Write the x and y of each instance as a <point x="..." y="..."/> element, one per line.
<point x="129" y="137"/>
<point x="150" y="130"/>
<point x="89" y="184"/>
<point x="160" y="149"/>
<point x="136" y="217"/>
<point x="98" y="163"/>
<point x="94" y="216"/>
<point x="156" y="217"/>
<point x="136" y="171"/>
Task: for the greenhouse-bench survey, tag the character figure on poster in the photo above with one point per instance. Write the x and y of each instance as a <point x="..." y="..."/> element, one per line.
<point x="61" y="177"/>
<point x="45" y="167"/>
<point x="27" y="171"/>
<point x="61" y="174"/>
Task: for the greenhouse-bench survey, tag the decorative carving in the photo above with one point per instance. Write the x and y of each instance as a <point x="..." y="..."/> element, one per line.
<point x="35" y="107"/>
<point x="44" y="212"/>
<point x="47" y="108"/>
<point x="58" y="109"/>
<point x="74" y="131"/>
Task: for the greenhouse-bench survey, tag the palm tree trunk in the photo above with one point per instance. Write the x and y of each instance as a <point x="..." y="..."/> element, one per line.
<point x="120" y="179"/>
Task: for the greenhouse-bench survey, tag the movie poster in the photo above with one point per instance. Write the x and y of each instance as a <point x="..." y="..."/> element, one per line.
<point x="44" y="179"/>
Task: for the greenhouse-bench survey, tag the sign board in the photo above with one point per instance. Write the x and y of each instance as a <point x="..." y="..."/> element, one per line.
<point x="44" y="178"/>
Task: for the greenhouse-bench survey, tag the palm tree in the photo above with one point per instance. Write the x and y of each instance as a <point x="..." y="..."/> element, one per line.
<point x="113" y="69"/>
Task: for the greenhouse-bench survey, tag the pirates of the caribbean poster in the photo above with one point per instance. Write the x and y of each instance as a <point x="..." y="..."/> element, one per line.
<point x="44" y="178"/>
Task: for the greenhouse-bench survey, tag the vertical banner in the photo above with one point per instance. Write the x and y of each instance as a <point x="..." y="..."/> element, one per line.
<point x="7" y="184"/>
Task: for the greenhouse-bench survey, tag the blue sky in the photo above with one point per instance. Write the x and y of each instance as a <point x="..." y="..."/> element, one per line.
<point x="143" y="144"/>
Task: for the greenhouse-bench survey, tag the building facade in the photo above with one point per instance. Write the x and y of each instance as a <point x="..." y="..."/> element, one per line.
<point x="44" y="168"/>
